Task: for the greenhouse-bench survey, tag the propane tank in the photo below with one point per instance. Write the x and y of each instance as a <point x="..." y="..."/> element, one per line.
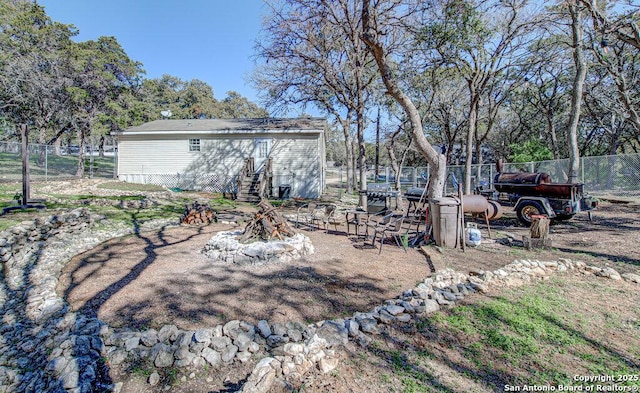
<point x="473" y="235"/>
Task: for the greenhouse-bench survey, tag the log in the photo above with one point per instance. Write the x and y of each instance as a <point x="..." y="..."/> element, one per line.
<point x="266" y="224"/>
<point x="198" y="213"/>
<point x="539" y="227"/>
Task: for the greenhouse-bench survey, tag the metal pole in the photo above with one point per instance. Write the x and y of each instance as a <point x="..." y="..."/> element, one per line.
<point x="24" y="134"/>
<point x="46" y="163"/>
<point x="414" y="173"/>
<point x="91" y="160"/>
<point x="490" y="175"/>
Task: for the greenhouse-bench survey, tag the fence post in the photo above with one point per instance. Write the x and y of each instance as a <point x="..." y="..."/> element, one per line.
<point x="26" y="191"/>
<point x="115" y="162"/>
<point x="415" y="177"/>
<point x="490" y="175"/>
<point x="46" y="162"/>
<point x="582" y="168"/>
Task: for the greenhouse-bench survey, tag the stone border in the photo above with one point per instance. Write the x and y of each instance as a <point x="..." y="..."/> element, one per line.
<point x="48" y="348"/>
<point x="45" y="346"/>
<point x="224" y="246"/>
<point x="143" y="203"/>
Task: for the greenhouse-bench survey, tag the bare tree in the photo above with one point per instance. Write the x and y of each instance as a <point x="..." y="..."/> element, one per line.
<point x="375" y="20"/>
<point x="624" y="26"/>
<point x="577" y="38"/>
<point x="313" y="55"/>
<point x="482" y="40"/>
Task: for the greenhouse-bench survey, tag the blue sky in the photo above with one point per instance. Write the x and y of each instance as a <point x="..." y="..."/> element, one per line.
<point x="210" y="40"/>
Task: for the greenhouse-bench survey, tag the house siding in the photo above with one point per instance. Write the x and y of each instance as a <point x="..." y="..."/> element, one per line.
<point x="297" y="158"/>
<point x="295" y="162"/>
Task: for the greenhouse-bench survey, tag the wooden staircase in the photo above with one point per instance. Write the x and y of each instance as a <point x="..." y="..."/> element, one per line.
<point x="252" y="185"/>
<point x="249" y="190"/>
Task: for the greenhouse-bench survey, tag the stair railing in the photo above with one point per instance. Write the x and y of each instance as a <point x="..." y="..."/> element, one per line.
<point x="265" y="179"/>
<point x="247" y="170"/>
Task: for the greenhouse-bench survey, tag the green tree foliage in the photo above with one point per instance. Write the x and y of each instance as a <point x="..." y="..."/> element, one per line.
<point x="234" y="105"/>
<point x="191" y="100"/>
<point x="84" y="90"/>
<point x="531" y="150"/>
<point x="34" y="60"/>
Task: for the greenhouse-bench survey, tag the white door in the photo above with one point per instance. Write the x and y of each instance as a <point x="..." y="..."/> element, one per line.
<point x="261" y="150"/>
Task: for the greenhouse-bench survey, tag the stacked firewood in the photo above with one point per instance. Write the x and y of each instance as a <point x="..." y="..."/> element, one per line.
<point x="267" y="224"/>
<point x="198" y="213"/>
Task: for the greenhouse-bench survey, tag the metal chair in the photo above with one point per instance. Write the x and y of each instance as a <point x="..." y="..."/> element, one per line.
<point x="390" y="226"/>
<point x="305" y="214"/>
<point x="325" y="215"/>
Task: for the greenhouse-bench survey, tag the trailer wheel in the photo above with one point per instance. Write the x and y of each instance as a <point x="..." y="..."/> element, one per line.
<point x="528" y="209"/>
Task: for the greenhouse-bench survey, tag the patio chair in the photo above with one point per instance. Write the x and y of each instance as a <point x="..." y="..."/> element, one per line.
<point x="305" y="214"/>
<point x="390" y="226"/>
<point x="325" y="215"/>
<point x="314" y="215"/>
<point x="375" y="220"/>
<point x="415" y="219"/>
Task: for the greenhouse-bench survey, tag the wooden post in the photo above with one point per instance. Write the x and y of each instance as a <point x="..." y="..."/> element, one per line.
<point x="24" y="134"/>
<point x="538" y="233"/>
<point x="539" y="227"/>
<point x="462" y="235"/>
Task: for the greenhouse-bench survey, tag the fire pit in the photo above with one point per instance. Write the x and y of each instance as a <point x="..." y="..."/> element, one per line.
<point x="267" y="238"/>
<point x="226" y="247"/>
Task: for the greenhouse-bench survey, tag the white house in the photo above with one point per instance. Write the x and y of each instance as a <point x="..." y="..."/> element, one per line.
<point x="210" y="154"/>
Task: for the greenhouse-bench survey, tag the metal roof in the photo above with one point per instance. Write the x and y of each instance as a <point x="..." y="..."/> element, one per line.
<point x="228" y="125"/>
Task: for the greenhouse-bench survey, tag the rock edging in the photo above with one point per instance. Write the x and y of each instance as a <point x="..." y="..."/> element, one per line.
<point x="45" y="346"/>
<point x="48" y="348"/>
<point x="444" y="289"/>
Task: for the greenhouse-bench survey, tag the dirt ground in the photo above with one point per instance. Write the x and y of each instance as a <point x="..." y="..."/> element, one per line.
<point x="162" y="277"/>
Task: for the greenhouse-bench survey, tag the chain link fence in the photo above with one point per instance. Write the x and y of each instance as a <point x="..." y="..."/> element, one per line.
<point x="45" y="163"/>
<point x="225" y="184"/>
<point x="617" y="175"/>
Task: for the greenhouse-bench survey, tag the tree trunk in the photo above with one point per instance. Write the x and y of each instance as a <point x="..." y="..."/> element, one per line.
<point x="101" y="146"/>
<point x="479" y="162"/>
<point x="578" y="86"/>
<point x="362" y="159"/>
<point x="354" y="164"/>
<point x="396" y="164"/>
<point x="554" y="136"/>
<point x="82" y="146"/>
<point x="471" y="136"/>
<point x="348" y="145"/>
<point x="56" y="147"/>
<point x="377" y="163"/>
<point x="436" y="160"/>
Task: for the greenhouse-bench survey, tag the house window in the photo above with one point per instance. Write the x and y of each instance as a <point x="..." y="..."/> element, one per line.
<point x="194" y="144"/>
<point x="263" y="149"/>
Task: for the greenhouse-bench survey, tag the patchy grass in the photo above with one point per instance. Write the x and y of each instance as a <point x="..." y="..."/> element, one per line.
<point x="222" y="202"/>
<point x="169" y="209"/>
<point x="541" y="334"/>
<point x="101" y="197"/>
<point x="52" y="166"/>
<point x="124" y="186"/>
<point x="137" y="217"/>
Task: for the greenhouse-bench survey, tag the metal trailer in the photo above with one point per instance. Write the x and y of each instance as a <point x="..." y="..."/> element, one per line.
<point x="535" y="193"/>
